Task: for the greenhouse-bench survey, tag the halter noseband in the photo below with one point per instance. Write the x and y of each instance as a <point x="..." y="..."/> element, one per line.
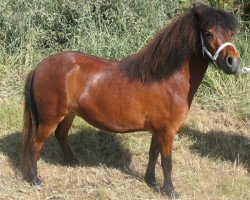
<point x="213" y="58"/>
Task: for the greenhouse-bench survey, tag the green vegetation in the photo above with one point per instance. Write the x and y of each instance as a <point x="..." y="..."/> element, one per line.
<point x="31" y="30"/>
<point x="211" y="153"/>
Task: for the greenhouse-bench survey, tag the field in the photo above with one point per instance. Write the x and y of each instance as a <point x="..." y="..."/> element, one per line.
<point x="211" y="151"/>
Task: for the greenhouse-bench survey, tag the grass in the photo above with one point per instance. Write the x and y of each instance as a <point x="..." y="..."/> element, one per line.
<point x="103" y="29"/>
<point x="211" y="151"/>
<point x="211" y="161"/>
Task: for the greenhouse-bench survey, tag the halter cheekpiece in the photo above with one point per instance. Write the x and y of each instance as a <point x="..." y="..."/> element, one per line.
<point x="213" y="58"/>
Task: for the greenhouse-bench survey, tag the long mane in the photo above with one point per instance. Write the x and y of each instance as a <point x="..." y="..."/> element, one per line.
<point x="175" y="44"/>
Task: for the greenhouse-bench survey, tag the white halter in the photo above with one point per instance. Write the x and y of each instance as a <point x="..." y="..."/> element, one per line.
<point x="213" y="58"/>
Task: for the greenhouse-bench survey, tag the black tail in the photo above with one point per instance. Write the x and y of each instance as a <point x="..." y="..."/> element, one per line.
<point x="30" y="124"/>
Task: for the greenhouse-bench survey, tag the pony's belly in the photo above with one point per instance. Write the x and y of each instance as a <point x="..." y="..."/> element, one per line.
<point x="111" y="123"/>
<point x="109" y="114"/>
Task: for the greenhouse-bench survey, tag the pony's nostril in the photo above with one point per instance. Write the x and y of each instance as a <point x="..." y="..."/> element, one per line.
<point x="229" y="61"/>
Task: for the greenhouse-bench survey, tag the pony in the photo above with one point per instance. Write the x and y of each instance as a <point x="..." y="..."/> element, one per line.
<point x="151" y="90"/>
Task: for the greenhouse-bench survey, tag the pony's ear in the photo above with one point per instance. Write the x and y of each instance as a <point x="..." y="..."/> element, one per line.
<point x="194" y="10"/>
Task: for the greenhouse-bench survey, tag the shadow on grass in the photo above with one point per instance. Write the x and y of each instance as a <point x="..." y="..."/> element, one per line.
<point x="10" y="146"/>
<point x="220" y="145"/>
<point x="92" y="147"/>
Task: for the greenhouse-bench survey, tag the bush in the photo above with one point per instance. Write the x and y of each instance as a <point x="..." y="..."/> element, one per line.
<point x="31" y="30"/>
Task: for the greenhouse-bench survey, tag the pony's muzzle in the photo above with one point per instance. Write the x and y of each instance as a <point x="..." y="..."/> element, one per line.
<point x="232" y="64"/>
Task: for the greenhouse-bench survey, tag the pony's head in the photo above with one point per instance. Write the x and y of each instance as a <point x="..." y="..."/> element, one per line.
<point x="200" y="30"/>
<point x="216" y="29"/>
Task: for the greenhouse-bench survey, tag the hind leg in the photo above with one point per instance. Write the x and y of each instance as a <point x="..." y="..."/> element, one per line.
<point x="61" y="134"/>
<point x="43" y="133"/>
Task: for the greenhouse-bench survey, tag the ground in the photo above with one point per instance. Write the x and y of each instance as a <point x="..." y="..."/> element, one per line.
<point x="211" y="160"/>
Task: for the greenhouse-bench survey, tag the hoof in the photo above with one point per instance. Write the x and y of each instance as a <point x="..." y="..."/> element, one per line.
<point x="150" y="182"/>
<point x="71" y="161"/>
<point x="35" y="181"/>
<point x="171" y="193"/>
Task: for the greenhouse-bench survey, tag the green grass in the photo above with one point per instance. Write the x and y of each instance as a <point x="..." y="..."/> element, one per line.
<point x="32" y="30"/>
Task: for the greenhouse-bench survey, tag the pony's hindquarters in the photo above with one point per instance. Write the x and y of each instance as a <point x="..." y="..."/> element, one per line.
<point x="35" y="133"/>
<point x="46" y="105"/>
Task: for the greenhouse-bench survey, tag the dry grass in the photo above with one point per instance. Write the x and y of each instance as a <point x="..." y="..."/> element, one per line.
<point x="211" y="161"/>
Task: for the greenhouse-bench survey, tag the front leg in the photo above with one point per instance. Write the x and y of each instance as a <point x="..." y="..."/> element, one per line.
<point x="168" y="188"/>
<point x="153" y="155"/>
<point x="165" y="142"/>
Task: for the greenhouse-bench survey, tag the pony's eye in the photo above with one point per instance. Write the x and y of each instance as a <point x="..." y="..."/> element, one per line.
<point x="208" y="34"/>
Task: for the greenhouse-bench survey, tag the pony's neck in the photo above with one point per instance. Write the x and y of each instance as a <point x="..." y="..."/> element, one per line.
<point x="166" y="53"/>
<point x="196" y="69"/>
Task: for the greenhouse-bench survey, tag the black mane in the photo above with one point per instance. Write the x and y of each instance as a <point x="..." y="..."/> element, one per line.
<point x="209" y="17"/>
<point x="174" y="44"/>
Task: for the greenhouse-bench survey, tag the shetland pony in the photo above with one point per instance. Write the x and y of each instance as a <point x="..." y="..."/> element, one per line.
<point x="151" y="90"/>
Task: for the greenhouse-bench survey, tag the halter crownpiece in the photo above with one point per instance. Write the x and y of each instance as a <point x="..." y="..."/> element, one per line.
<point x="213" y="58"/>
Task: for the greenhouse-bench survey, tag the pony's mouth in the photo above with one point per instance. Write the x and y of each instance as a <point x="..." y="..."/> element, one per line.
<point x="229" y="65"/>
